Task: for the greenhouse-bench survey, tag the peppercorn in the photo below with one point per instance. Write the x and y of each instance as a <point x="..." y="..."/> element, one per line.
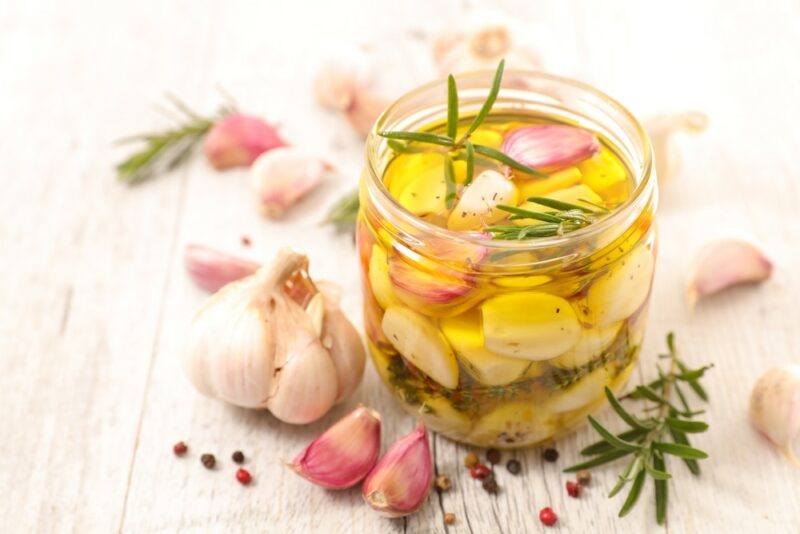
<point x="243" y="476"/>
<point x="573" y="489"/>
<point x="471" y="460"/>
<point x="548" y="516"/>
<point x="551" y="455"/>
<point x="449" y="518"/>
<point x="480" y="471"/>
<point x="443" y="482"/>
<point x="180" y="448"/>
<point x="493" y="455"/>
<point x="238" y="457"/>
<point x="584" y="477"/>
<point x="513" y="467"/>
<point x="246" y="241"/>
<point x="490" y="485"/>
<point x="208" y="460"/>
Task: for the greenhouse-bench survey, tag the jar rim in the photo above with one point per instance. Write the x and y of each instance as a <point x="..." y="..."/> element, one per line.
<point x="645" y="177"/>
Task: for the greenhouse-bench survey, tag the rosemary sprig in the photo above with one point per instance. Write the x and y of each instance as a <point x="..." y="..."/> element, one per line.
<point x="645" y="441"/>
<point x="344" y="211"/>
<point x="568" y="218"/>
<point x="463" y="146"/>
<point x="166" y="150"/>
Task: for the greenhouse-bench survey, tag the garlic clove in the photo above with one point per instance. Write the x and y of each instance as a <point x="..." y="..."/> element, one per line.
<point x="577" y="194"/>
<point x="550" y="146"/>
<point x="237" y="140"/>
<point x="662" y="129"/>
<point x="441" y="416"/>
<point x="211" y="269"/>
<point x="281" y="177"/>
<point x="399" y="483"/>
<point x="513" y="424"/>
<point x="342" y="341"/>
<point x="725" y="263"/>
<point x="554" y="182"/>
<point x="592" y="343"/>
<point x="606" y="175"/>
<point x="378" y="274"/>
<point x="465" y="334"/>
<point x="419" y="341"/>
<point x="478" y="203"/>
<point x="775" y="409"/>
<point x="621" y="290"/>
<point x="343" y="455"/>
<point x="530" y="325"/>
<point x="481" y="47"/>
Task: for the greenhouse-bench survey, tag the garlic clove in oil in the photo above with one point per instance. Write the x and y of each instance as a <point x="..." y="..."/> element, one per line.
<point x="282" y="177"/>
<point x="479" y="200"/>
<point x="345" y="453"/>
<point x="378" y="273"/>
<point x="577" y="194"/>
<point x="400" y="482"/>
<point x="211" y="269"/>
<point x="238" y="139"/>
<point x="550" y="146"/>
<point x="775" y="409"/>
<point x="592" y="343"/>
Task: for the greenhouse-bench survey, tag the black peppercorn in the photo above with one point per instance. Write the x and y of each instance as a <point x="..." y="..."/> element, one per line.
<point x="208" y="460"/>
<point x="551" y="455"/>
<point x="513" y="467"/>
<point x="490" y="485"/>
<point x="493" y="455"/>
<point x="237" y="457"/>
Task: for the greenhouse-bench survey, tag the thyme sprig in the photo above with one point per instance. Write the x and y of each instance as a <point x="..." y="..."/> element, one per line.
<point x="567" y="218"/>
<point x="167" y="150"/>
<point x="461" y="147"/>
<point x="646" y="440"/>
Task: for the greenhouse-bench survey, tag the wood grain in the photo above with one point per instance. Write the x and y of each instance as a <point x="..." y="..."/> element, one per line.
<point x="95" y="301"/>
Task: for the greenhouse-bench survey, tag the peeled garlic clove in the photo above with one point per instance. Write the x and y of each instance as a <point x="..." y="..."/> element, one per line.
<point x="378" y="275"/>
<point x="400" y="482"/>
<point x="211" y="269"/>
<point x="725" y="263"/>
<point x="513" y="424"/>
<point x="478" y="203"/>
<point x="550" y="146"/>
<point x="237" y="140"/>
<point x="465" y="334"/>
<point x="283" y="176"/>
<point x="622" y="289"/>
<point x="440" y="416"/>
<point x="775" y="409"/>
<point x="345" y="453"/>
<point x="583" y="392"/>
<point x="420" y="342"/>
<point x="592" y="343"/>
<point x="662" y="129"/>
<point x="556" y="181"/>
<point x="606" y="175"/>
<point x="530" y="325"/>
<point x="436" y="290"/>
<point x="578" y="194"/>
<point x="425" y="195"/>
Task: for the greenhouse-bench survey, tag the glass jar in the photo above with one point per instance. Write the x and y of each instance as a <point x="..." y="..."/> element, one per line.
<point x="507" y="343"/>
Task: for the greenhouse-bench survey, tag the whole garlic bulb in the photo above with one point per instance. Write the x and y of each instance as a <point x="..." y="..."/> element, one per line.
<point x="273" y="340"/>
<point x="775" y="409"/>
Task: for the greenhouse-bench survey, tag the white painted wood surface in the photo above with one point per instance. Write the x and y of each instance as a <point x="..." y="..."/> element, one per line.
<point x="95" y="301"/>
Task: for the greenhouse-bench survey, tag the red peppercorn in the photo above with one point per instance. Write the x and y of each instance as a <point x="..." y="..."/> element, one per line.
<point x="243" y="476"/>
<point x="180" y="448"/>
<point x="548" y="516"/>
<point x="573" y="488"/>
<point x="480" y="471"/>
<point x="246" y="241"/>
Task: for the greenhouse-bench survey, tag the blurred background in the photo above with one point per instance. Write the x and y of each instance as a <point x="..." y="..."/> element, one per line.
<point x="95" y="299"/>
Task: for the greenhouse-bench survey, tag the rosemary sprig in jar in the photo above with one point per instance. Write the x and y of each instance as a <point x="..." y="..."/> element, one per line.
<point x="566" y="218"/>
<point x="461" y="147"/>
<point x="646" y="440"/>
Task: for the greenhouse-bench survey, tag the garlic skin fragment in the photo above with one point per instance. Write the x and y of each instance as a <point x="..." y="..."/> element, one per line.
<point x="725" y="263"/>
<point x="238" y="139"/>
<point x="775" y="409"/>
<point x="345" y="453"/>
<point x="662" y="129"/>
<point x="257" y="344"/>
<point x="281" y="177"/>
<point x="211" y="269"/>
<point x="399" y="483"/>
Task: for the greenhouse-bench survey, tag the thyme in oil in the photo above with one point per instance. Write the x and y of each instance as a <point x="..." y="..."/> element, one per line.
<point x="661" y="431"/>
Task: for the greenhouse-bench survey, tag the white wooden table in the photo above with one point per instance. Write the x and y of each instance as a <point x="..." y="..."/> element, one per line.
<point x="94" y="301"/>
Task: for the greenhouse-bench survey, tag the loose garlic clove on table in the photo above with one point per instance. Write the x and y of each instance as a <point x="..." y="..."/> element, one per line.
<point x="775" y="409"/>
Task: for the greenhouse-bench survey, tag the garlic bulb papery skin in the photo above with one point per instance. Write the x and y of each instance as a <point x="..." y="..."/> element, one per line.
<point x="725" y="263"/>
<point x="481" y="48"/>
<point x="401" y="480"/>
<point x="281" y="177"/>
<point x="345" y="453"/>
<point x="775" y="409"/>
<point x="238" y="139"/>
<point x="662" y="129"/>
<point x="211" y="269"/>
<point x="258" y="343"/>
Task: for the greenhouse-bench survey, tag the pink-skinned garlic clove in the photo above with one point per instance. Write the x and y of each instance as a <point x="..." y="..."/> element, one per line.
<point x="238" y="139"/>
<point x="211" y="269"/>
<point x="775" y="409"/>
<point x="418" y="286"/>
<point x="550" y="147"/>
<point x="345" y="453"/>
<point x="725" y="263"/>
<point x="401" y="480"/>
<point x="662" y="130"/>
<point x="281" y="177"/>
